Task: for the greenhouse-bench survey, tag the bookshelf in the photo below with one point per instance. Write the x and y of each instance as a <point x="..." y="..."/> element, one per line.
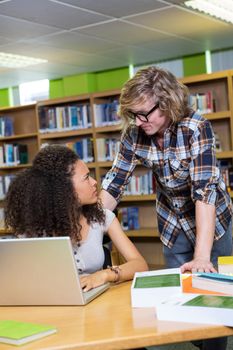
<point x="18" y="146"/>
<point x="90" y="121"/>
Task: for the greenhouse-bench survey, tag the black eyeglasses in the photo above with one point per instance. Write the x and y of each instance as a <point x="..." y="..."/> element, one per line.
<point x="142" y="117"/>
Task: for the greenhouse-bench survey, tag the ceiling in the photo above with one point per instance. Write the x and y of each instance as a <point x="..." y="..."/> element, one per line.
<point x="78" y="36"/>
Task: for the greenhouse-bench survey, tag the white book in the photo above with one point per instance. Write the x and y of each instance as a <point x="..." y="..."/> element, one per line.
<point x="215" y="282"/>
<point x="206" y="309"/>
<point x="149" y="288"/>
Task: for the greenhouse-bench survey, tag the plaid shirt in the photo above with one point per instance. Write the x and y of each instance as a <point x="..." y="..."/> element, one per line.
<point x="185" y="171"/>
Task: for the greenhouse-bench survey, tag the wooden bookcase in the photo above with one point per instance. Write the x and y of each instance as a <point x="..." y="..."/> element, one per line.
<point x="25" y="133"/>
<point x="28" y="129"/>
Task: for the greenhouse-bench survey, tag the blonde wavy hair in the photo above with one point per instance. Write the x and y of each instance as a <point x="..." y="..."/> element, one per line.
<point x="159" y="85"/>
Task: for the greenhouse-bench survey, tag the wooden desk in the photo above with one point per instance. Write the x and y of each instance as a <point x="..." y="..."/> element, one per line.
<point x="108" y="322"/>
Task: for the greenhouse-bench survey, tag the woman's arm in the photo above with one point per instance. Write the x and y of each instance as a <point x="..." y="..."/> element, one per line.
<point x="205" y="228"/>
<point x="134" y="261"/>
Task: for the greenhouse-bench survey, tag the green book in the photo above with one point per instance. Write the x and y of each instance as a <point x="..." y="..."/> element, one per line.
<point x="217" y="301"/>
<point x="158" y="281"/>
<point x="19" y="333"/>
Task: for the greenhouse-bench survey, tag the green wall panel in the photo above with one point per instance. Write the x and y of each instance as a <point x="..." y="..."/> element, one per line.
<point x="112" y="79"/>
<point x="4" y="98"/>
<point x="56" y="88"/>
<point x="194" y="65"/>
<point x="79" y="84"/>
<point x="88" y="83"/>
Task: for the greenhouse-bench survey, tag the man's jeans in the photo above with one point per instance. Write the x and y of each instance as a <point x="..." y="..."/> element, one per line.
<point x="182" y="251"/>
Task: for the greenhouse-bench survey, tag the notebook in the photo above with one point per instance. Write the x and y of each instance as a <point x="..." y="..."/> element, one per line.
<point x="41" y="271"/>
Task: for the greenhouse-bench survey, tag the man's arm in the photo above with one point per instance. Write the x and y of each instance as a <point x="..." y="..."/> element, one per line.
<point x="205" y="228"/>
<point x="107" y="200"/>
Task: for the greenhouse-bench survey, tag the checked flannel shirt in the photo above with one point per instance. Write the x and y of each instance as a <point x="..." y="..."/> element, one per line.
<point x="185" y="171"/>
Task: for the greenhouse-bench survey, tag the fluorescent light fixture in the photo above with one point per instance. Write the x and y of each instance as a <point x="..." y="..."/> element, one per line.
<point x="17" y="61"/>
<point x="221" y="9"/>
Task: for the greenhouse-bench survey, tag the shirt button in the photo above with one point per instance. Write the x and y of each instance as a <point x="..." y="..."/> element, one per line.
<point x="78" y="260"/>
<point x="80" y="270"/>
<point x="79" y="244"/>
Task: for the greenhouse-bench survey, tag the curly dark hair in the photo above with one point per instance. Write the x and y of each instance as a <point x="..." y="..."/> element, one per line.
<point x="41" y="201"/>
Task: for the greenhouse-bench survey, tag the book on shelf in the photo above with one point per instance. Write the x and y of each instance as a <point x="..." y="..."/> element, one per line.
<point x="140" y="184"/>
<point x="225" y="264"/>
<point x="202" y="102"/>
<point x="214" y="282"/>
<point x="13" y="154"/>
<point x="105" y="114"/>
<point x="5" y="181"/>
<point x="149" y="288"/>
<point x="64" y="118"/>
<point x="203" y="309"/>
<point x="129" y="218"/>
<point x="84" y="148"/>
<point x="107" y="148"/>
<point x="6" y="126"/>
<point x="19" y="333"/>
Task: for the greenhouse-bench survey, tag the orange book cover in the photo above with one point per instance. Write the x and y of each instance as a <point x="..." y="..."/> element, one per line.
<point x="188" y="288"/>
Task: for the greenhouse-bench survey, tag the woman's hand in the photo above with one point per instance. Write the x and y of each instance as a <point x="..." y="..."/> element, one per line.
<point x="94" y="280"/>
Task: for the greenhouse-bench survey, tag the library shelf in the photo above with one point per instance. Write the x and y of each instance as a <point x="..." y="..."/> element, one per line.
<point x="22" y="136"/>
<point x="139" y="198"/>
<point x="65" y="134"/>
<point x="224" y="154"/>
<point x="19" y="166"/>
<point x="143" y="232"/>
<point x="218" y="115"/>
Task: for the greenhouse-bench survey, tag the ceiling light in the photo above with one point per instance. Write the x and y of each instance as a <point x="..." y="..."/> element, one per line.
<point x="16" y="61"/>
<point x="221" y="9"/>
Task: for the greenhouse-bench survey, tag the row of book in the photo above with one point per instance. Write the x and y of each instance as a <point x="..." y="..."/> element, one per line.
<point x="83" y="147"/>
<point x="106" y="114"/>
<point x="107" y="149"/>
<point x="64" y="118"/>
<point x="129" y="218"/>
<point x="141" y="184"/>
<point x="6" y="126"/>
<point x="5" y="181"/>
<point x="202" y="102"/>
<point x="13" y="154"/>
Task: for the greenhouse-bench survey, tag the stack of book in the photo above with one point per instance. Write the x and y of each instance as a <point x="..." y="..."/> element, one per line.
<point x="205" y="298"/>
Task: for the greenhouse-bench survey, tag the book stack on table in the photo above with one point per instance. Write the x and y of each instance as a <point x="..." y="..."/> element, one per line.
<point x="205" y="298"/>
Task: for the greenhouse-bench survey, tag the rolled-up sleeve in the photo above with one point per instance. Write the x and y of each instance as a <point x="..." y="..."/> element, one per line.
<point x="204" y="172"/>
<point x="119" y="175"/>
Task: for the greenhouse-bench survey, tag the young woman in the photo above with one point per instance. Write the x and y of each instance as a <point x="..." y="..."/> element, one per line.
<point x="58" y="197"/>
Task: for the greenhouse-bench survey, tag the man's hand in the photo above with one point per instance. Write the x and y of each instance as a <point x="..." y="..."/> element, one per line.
<point x="198" y="265"/>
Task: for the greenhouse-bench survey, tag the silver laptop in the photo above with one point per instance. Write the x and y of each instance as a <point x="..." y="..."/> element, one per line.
<point x="41" y="271"/>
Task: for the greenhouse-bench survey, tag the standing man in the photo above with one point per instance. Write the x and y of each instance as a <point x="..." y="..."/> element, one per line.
<point x="163" y="133"/>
